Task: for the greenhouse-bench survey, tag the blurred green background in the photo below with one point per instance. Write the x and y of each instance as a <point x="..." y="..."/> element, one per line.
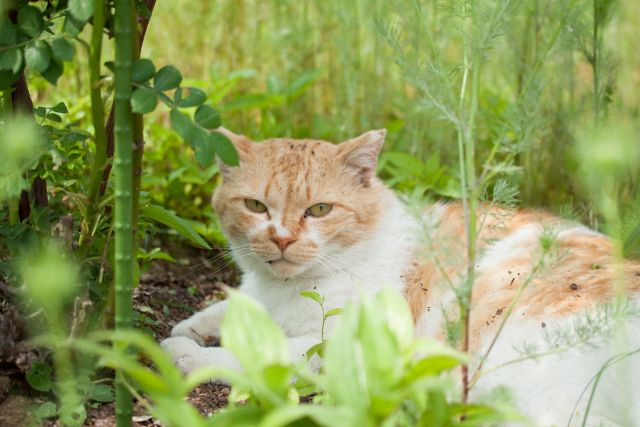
<point x="333" y="69"/>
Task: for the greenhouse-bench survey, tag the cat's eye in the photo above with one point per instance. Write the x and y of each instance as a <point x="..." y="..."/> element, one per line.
<point x="319" y="209"/>
<point x="255" y="205"/>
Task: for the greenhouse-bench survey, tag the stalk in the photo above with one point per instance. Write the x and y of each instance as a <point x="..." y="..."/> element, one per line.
<point x="466" y="147"/>
<point x="14" y="204"/>
<point x="97" y="116"/>
<point x="123" y="168"/>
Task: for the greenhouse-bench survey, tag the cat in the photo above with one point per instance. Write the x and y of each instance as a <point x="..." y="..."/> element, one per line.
<point x="309" y="215"/>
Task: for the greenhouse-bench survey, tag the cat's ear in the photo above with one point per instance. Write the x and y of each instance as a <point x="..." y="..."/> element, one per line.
<point x="360" y="154"/>
<point x="242" y="145"/>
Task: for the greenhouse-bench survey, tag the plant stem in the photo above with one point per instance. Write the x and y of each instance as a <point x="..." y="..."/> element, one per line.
<point x="123" y="168"/>
<point x="97" y="116"/>
<point x="14" y="202"/>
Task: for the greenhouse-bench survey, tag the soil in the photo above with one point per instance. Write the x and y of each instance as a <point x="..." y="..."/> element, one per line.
<point x="168" y="293"/>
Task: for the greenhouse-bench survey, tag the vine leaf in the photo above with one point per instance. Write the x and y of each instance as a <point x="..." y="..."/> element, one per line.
<point x="166" y="217"/>
<point x="207" y="117"/>
<point x="82" y="10"/>
<point x="38" y="56"/>
<point x="30" y="21"/>
<point x="143" y="70"/>
<point x="11" y="60"/>
<point x="224" y="148"/>
<point x="193" y="98"/>
<point x="62" y="49"/>
<point x="168" y="77"/>
<point x="143" y="100"/>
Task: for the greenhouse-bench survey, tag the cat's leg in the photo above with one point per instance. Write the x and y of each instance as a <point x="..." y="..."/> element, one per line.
<point x="188" y="355"/>
<point x="204" y="326"/>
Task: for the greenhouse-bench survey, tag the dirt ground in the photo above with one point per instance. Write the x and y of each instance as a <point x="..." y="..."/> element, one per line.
<point x="168" y="292"/>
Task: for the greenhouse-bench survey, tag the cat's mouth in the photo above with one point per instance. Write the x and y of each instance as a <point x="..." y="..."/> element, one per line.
<point x="284" y="268"/>
<point x="281" y="261"/>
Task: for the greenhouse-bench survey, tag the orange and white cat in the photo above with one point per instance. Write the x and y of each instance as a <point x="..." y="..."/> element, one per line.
<point x="308" y="215"/>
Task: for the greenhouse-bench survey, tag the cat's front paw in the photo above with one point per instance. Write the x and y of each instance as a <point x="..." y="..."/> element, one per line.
<point x="186" y="354"/>
<point x="197" y="331"/>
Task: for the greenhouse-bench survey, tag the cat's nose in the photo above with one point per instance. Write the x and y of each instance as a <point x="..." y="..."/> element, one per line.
<point x="282" y="242"/>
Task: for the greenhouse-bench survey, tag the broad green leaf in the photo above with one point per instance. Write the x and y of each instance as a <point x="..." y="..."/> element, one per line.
<point x="62" y="49"/>
<point x="101" y="393"/>
<point x="45" y="410"/>
<point x="39" y="376"/>
<point x="8" y="34"/>
<point x="183" y="126"/>
<point x="143" y="70"/>
<point x="60" y="107"/>
<point x="38" y="56"/>
<point x="312" y="295"/>
<point x="143" y="100"/>
<point x="53" y="72"/>
<point x="82" y="10"/>
<point x="168" y="77"/>
<point x="173" y="221"/>
<point x="207" y="117"/>
<point x="193" y="97"/>
<point x="205" y="150"/>
<point x="54" y="117"/>
<point x="224" y="148"/>
<point x="252" y="336"/>
<point x="11" y="59"/>
<point x="40" y="111"/>
<point x="30" y="21"/>
<point x="72" y="26"/>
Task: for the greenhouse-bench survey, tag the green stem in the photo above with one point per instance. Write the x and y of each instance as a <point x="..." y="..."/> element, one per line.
<point x="123" y="168"/>
<point x="97" y="116"/>
<point x="14" y="202"/>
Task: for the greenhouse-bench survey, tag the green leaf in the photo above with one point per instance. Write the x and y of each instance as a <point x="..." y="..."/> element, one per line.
<point x="8" y="34"/>
<point x="30" y="21"/>
<point x="82" y="10"/>
<point x="143" y="101"/>
<point x="11" y="59"/>
<point x="62" y="49"/>
<point x="40" y="111"/>
<point x="193" y="98"/>
<point x="101" y="393"/>
<point x="7" y="78"/>
<point x="252" y="336"/>
<point x="183" y="126"/>
<point x="224" y="148"/>
<point x="334" y="312"/>
<point x="39" y="376"/>
<point x="205" y="152"/>
<point x="207" y="117"/>
<point x="53" y="72"/>
<point x="143" y="70"/>
<point x="316" y="349"/>
<point x="173" y="221"/>
<point x="72" y="26"/>
<point x="45" y="410"/>
<point x="38" y="56"/>
<point x="168" y="77"/>
<point x="54" y="117"/>
<point x="312" y="295"/>
<point x="60" y="107"/>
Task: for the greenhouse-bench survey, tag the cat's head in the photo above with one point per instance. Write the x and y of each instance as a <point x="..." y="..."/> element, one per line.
<point x="293" y="207"/>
